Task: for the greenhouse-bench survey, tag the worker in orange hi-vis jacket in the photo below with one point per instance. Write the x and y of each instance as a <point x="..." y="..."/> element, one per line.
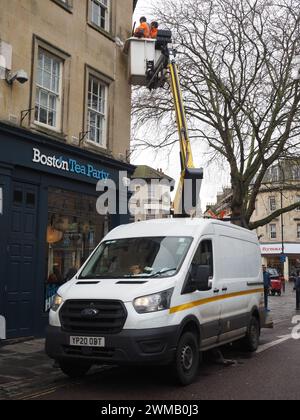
<point x="143" y="31"/>
<point x="154" y="30"/>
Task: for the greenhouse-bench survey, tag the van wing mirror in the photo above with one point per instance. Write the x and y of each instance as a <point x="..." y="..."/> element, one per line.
<point x="201" y="277"/>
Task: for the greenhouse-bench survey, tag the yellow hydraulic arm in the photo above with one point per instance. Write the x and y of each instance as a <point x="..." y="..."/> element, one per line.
<point x="187" y="198"/>
<point x="188" y="191"/>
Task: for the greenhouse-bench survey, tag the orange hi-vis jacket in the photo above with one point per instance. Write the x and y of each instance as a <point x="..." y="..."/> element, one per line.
<point x="144" y="27"/>
<point x="153" y="33"/>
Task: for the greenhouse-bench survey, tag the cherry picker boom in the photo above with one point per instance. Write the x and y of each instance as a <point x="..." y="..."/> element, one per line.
<point x="157" y="67"/>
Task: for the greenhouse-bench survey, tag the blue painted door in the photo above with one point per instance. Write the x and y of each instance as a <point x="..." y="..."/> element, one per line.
<point x="4" y="214"/>
<point x="20" y="276"/>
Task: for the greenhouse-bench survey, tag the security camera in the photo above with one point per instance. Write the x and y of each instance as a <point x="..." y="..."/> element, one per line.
<point x="21" y="76"/>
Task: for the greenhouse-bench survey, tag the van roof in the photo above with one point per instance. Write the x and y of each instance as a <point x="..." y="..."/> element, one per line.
<point x="171" y="227"/>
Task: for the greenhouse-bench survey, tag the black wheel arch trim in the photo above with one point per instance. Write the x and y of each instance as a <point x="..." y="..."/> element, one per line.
<point x="190" y="319"/>
<point x="256" y="311"/>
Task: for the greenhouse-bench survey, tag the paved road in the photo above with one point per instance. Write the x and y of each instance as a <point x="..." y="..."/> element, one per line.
<point x="273" y="373"/>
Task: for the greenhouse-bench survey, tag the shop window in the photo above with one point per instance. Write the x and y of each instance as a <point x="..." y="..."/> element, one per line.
<point x="74" y="230"/>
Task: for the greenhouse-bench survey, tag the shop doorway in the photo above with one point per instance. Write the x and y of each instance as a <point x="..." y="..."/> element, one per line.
<point x="21" y="261"/>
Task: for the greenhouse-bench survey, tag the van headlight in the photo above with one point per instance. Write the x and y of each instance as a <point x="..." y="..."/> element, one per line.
<point x="57" y="302"/>
<point x="153" y="303"/>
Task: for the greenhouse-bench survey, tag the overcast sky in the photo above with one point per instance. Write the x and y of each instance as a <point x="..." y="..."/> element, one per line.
<point x="168" y="161"/>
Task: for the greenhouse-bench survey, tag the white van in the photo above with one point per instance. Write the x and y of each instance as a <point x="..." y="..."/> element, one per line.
<point x="160" y="292"/>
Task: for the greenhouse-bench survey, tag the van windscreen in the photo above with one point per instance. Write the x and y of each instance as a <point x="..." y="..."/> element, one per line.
<point x="137" y="258"/>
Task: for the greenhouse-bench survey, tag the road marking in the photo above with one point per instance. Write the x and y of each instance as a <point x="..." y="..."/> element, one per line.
<point x="40" y="394"/>
<point x="268" y="346"/>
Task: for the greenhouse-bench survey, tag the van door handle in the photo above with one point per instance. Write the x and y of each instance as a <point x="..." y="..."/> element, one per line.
<point x="217" y="291"/>
<point x="225" y="289"/>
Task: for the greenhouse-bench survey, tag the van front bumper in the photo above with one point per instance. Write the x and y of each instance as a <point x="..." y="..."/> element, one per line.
<point x="130" y="347"/>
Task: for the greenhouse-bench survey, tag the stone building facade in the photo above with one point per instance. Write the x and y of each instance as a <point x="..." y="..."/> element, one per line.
<point x="64" y="125"/>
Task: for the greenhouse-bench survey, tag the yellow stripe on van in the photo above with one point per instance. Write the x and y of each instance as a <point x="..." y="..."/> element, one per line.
<point x="213" y="299"/>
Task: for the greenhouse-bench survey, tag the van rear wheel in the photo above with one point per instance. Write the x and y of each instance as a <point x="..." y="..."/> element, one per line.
<point x="187" y="359"/>
<point x="251" y="341"/>
<point x="73" y="370"/>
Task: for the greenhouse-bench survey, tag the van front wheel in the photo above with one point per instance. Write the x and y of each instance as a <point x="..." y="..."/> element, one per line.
<point x="187" y="359"/>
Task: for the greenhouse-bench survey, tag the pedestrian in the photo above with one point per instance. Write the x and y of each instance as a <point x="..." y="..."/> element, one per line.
<point x="154" y="30"/>
<point x="143" y="31"/>
<point x="282" y="279"/>
<point x="297" y="287"/>
<point x="267" y="286"/>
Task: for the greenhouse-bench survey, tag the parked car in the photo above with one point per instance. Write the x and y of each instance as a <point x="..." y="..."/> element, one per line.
<point x="159" y="293"/>
<point x="277" y="282"/>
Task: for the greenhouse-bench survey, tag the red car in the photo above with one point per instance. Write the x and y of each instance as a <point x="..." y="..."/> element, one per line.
<point x="276" y="281"/>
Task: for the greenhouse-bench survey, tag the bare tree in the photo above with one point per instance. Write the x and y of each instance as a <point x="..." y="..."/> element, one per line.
<point x="236" y="60"/>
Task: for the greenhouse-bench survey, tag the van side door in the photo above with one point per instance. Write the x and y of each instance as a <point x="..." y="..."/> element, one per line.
<point x="235" y="267"/>
<point x="208" y="306"/>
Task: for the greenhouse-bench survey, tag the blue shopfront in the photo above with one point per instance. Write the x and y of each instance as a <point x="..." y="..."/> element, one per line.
<point x="48" y="221"/>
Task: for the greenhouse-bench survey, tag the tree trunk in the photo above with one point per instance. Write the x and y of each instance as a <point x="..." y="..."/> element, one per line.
<point x="238" y="206"/>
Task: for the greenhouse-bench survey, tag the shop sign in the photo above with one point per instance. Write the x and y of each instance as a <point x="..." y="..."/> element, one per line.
<point x="276" y="249"/>
<point x="69" y="165"/>
<point x="269" y="249"/>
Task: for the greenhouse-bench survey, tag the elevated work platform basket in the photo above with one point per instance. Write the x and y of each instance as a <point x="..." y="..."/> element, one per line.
<point x="142" y="52"/>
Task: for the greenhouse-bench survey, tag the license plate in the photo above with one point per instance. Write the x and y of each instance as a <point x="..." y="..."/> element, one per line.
<point x="87" y="341"/>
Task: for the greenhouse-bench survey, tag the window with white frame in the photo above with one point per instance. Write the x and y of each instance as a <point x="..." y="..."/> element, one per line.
<point x="100" y="13"/>
<point x="298" y="231"/>
<point x="96" y="118"/>
<point x="273" y="231"/>
<point x="296" y="172"/>
<point x="274" y="174"/>
<point x="48" y="89"/>
<point x="272" y="203"/>
<point x="68" y="4"/>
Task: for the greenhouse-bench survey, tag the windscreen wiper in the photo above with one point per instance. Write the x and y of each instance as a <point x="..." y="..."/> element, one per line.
<point x="158" y="273"/>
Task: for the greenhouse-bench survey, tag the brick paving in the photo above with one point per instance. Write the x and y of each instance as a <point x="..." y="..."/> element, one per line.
<point x="283" y="308"/>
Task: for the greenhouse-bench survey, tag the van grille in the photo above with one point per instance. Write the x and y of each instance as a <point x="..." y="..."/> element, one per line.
<point x="110" y="317"/>
<point x="107" y="353"/>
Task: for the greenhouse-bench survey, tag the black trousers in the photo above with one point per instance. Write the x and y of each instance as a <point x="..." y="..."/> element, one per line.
<point x="298" y="299"/>
<point x="266" y="298"/>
